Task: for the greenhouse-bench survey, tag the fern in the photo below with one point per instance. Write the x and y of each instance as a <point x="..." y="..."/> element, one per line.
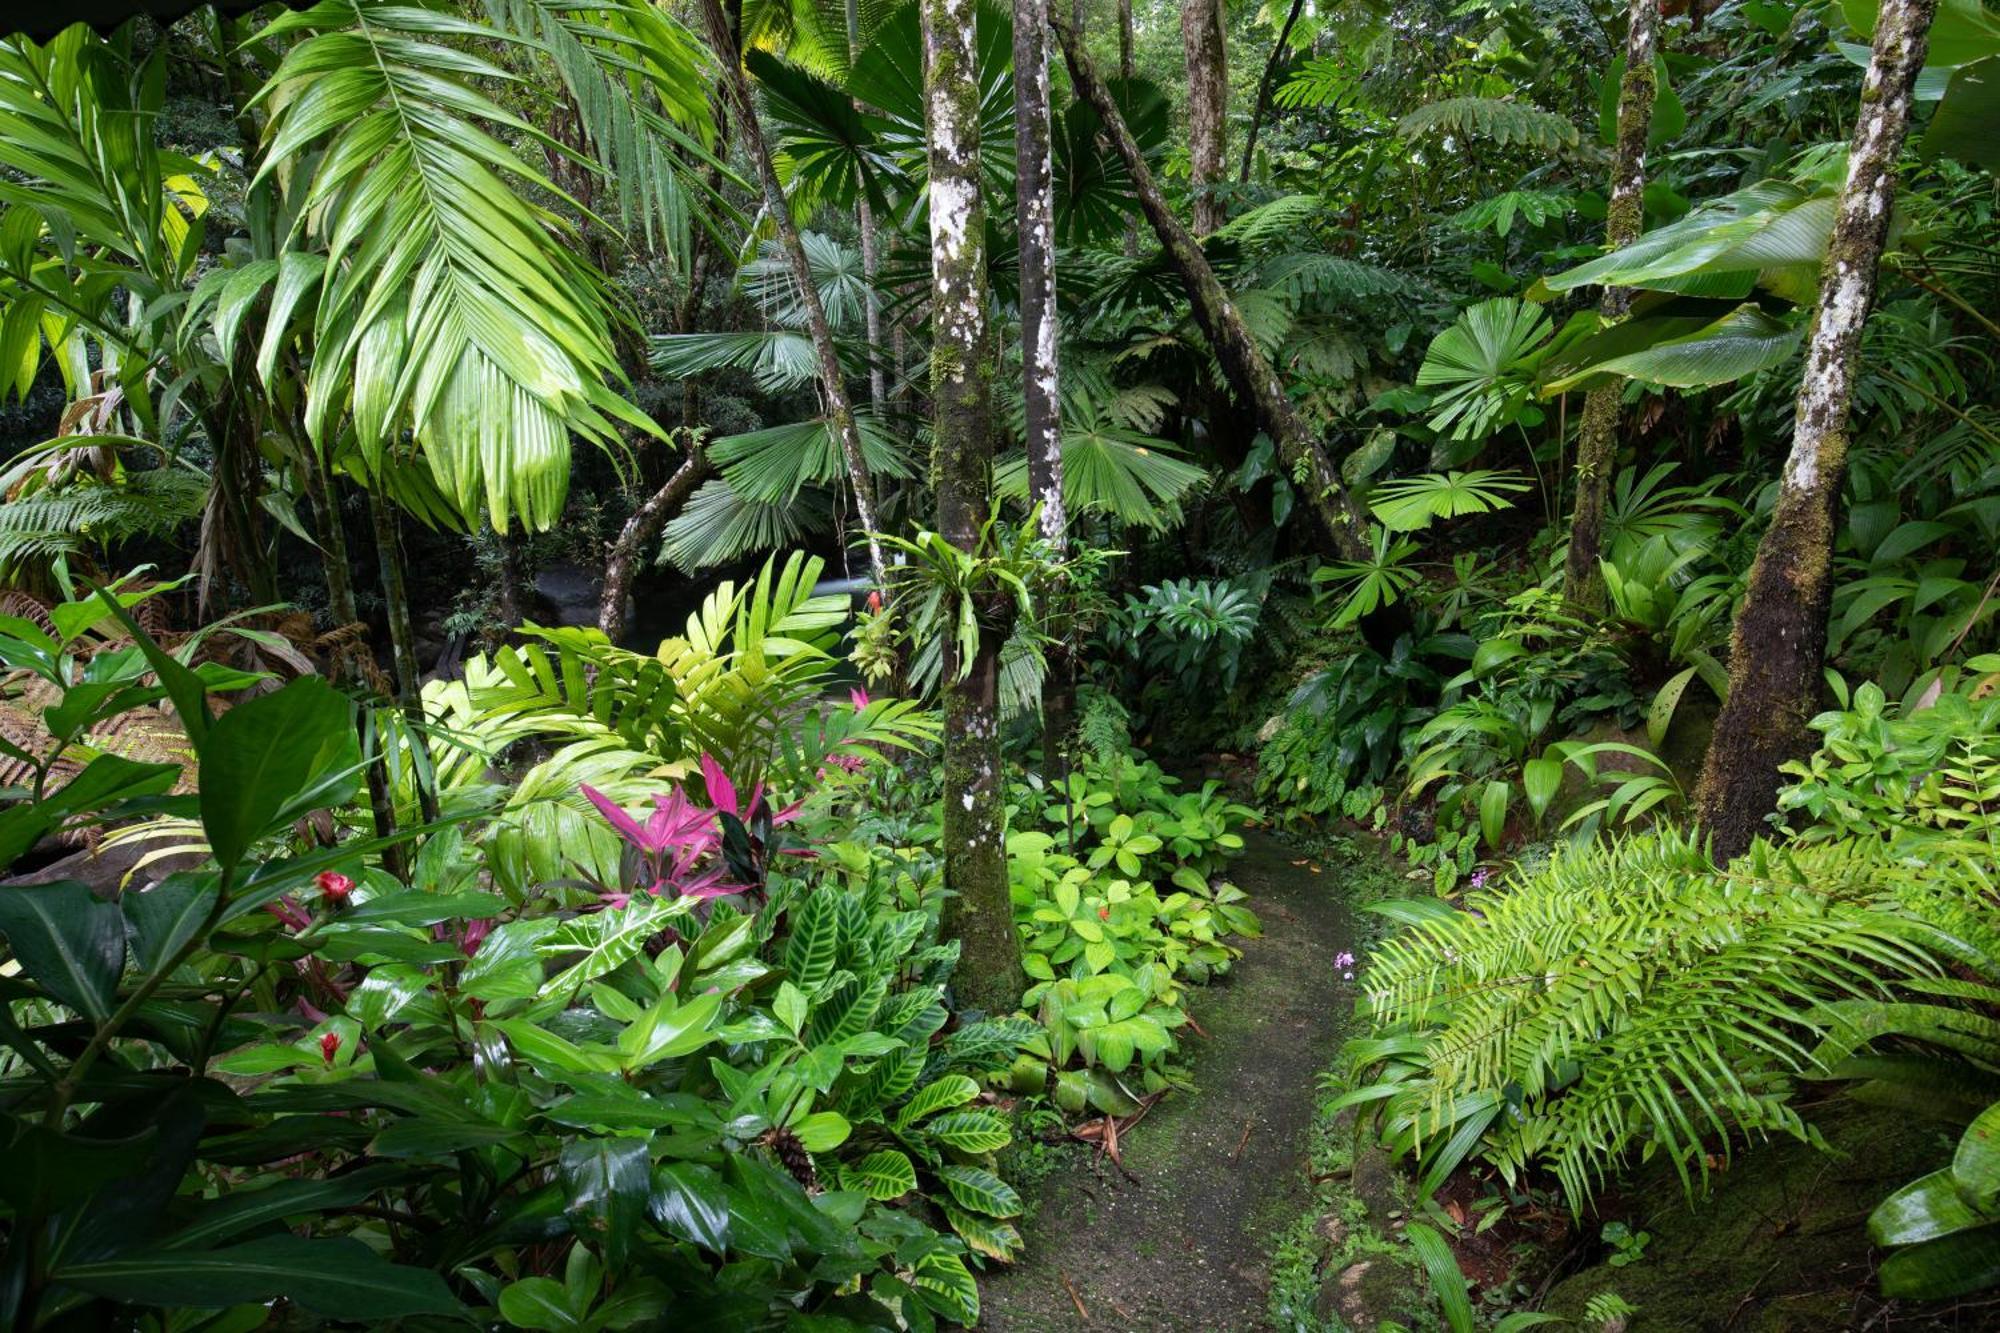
<point x="1510" y="124"/>
<point x="1630" y="995"/>
<point x="100" y="515"/>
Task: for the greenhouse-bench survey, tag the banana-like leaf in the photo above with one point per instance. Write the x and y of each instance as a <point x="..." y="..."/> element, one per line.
<point x="1743" y="342"/>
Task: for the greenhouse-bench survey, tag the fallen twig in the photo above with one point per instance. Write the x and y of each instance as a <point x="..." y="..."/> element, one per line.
<point x="1241" y="1143"/>
<point x="1075" y="1299"/>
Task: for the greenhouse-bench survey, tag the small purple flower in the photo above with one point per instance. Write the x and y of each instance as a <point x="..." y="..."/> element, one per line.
<point x="1344" y="961"/>
<point x="1480" y="876"/>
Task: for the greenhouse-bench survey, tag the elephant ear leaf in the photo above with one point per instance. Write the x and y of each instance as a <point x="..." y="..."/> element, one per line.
<point x="71" y="942"/>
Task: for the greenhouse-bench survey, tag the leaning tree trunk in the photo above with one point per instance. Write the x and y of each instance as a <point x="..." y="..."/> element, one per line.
<point x="833" y="390"/>
<point x="1034" y="195"/>
<point x="1207" y="53"/>
<point x="1597" y="435"/>
<point x="980" y="913"/>
<point x="1780" y="632"/>
<point x="638" y="533"/>
<point x="1249" y="372"/>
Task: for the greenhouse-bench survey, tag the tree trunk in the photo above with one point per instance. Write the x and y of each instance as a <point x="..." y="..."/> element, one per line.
<point x="833" y="391"/>
<point x="1597" y="434"/>
<point x="1263" y="102"/>
<point x="403" y="648"/>
<point x="878" y="394"/>
<point x="1250" y="374"/>
<point x="1207" y="50"/>
<point x="1780" y="632"/>
<point x="1034" y="194"/>
<point x="325" y="496"/>
<point x="638" y="533"/>
<point x="1040" y="377"/>
<point x="980" y="913"/>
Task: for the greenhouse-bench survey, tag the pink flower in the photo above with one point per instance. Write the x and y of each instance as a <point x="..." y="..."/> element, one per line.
<point x="1480" y="876"/>
<point x="334" y="886"/>
<point x="858" y="697"/>
<point x="1343" y="960"/>
<point x="328" y="1045"/>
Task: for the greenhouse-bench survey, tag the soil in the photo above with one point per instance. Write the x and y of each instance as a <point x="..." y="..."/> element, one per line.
<point x="1184" y="1240"/>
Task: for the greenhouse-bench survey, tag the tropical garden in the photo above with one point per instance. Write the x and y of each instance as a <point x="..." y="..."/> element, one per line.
<point x="765" y="664"/>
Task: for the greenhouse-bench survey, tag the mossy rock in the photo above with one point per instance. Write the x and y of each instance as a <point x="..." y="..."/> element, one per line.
<point x="1781" y="1243"/>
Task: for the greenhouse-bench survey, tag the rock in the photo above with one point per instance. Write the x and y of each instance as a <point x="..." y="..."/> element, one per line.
<point x="568" y="594"/>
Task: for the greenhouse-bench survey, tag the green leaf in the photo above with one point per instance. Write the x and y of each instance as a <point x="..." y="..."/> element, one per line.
<point x="1541" y="779"/>
<point x="980" y="1190"/>
<point x="267" y="761"/>
<point x="970" y="1131"/>
<point x="1660" y="713"/>
<point x="1925" y="1209"/>
<point x="341" y="1279"/>
<point x="166" y="916"/>
<point x="538" y="1302"/>
<point x="70" y="941"/>
<point x="823" y="1131"/>
<point x="1975" y="1167"/>
<point x="1445" y="1278"/>
<point x="1952" y="1265"/>
<point x="608" y="1186"/>
<point x="1493" y="802"/>
<point x="944" y="1284"/>
<point x="1741" y="343"/>
<point x="815" y="941"/>
<point x="691" y="1202"/>
<point x="941" y="1094"/>
<point x="882" y="1175"/>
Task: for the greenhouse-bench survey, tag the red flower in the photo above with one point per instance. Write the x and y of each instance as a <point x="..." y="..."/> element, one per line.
<point x="875" y="602"/>
<point x="328" y="1045"/>
<point x="334" y="886"/>
<point x="1103" y="914"/>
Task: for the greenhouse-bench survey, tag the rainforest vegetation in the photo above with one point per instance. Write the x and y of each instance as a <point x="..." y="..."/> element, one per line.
<point x="703" y="663"/>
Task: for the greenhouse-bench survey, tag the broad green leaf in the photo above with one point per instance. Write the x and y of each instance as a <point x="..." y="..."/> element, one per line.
<point x="70" y="941"/>
<point x="166" y="916"/>
<point x="267" y="761"/>
<point x="882" y="1175"/>
<point x="980" y="1190"/>
<point x="341" y="1279"/>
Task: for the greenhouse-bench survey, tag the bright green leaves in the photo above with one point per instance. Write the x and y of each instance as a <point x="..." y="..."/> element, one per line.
<point x="451" y="304"/>
<point x="270" y="760"/>
<point x="71" y="942"/>
<point x="883" y="1175"/>
<point x="1410" y="504"/>
<point x="1947" y="1222"/>
<point x="1480" y="370"/>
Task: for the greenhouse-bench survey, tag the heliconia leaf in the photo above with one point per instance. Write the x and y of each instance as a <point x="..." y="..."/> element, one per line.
<point x="1741" y="343"/>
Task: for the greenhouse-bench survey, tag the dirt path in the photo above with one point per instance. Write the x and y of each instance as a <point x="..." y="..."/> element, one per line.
<point x="1188" y="1245"/>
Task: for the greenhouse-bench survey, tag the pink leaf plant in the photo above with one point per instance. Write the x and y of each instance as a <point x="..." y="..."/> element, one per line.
<point x="671" y="846"/>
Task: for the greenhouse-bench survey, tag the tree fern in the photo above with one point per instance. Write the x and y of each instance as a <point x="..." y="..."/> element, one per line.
<point x="97" y="515"/>
<point x="1506" y="123"/>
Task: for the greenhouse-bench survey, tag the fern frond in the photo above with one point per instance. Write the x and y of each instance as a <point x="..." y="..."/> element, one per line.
<point x="1505" y="123"/>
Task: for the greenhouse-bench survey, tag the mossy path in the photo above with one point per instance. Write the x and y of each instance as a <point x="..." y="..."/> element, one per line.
<point x="1184" y="1241"/>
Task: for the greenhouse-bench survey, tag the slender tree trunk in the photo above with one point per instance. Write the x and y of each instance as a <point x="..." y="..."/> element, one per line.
<point x="1597" y="433"/>
<point x="833" y="391"/>
<point x="403" y="648"/>
<point x="1263" y="102"/>
<point x="325" y="495"/>
<point x="878" y="394"/>
<point x="1127" y="68"/>
<point x="638" y="533"/>
<point x="1207" y="49"/>
<point x="1250" y="374"/>
<point x="1034" y="194"/>
<point x="980" y="913"/>
<point x="1780" y="632"/>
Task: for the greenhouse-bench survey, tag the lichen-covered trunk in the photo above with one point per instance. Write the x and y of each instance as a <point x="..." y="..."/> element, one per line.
<point x="1035" y="204"/>
<point x="1040" y="369"/>
<point x="1249" y="371"/>
<point x="832" y="387"/>
<point x="1780" y="632"/>
<point x="1597" y="433"/>
<point x="980" y="913"/>
<point x="638" y="532"/>
<point x="1207" y="52"/>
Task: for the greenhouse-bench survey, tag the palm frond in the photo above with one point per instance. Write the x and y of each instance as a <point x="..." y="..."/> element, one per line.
<point x="1133" y="477"/>
<point x="452" y="304"/>
<point x="719" y="525"/>
<point x="771" y="466"/>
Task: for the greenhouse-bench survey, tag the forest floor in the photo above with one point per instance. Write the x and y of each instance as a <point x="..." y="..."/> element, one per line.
<point x="1181" y="1236"/>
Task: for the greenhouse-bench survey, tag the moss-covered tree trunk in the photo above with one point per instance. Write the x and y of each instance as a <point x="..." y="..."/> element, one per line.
<point x="1597" y="434"/>
<point x="979" y="914"/>
<point x="1207" y="50"/>
<point x="1249" y="371"/>
<point x="832" y="387"/>
<point x="1780" y="632"/>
